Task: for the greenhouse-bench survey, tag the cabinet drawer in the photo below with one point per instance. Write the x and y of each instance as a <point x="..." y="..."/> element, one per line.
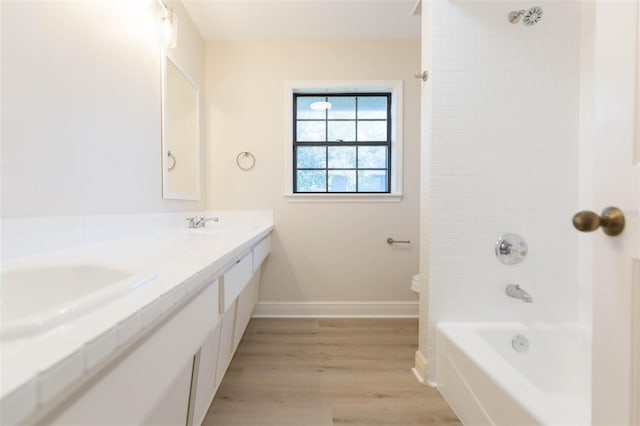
<point x="261" y="251"/>
<point x="234" y="281"/>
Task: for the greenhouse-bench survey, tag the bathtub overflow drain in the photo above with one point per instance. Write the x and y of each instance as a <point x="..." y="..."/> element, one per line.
<point x="520" y="343"/>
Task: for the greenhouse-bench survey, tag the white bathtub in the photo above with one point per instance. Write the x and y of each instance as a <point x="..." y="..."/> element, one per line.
<point x="487" y="382"/>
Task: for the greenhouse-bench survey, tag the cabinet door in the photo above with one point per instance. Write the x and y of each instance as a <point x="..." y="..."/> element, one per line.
<point x="206" y="377"/>
<point x="172" y="408"/>
<point x="246" y="302"/>
<point x="226" y="342"/>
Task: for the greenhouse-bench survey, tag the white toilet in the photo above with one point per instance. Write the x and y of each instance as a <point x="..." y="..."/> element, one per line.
<point x="415" y="283"/>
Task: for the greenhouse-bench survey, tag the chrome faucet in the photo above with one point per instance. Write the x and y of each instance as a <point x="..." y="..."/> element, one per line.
<point x="199" y="221"/>
<point x="514" y="290"/>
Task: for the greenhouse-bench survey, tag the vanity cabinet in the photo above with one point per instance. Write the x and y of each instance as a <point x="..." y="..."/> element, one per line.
<point x="170" y="376"/>
<point x="129" y="390"/>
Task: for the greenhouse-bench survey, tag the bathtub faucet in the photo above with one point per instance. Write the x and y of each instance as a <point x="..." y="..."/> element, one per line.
<point x="514" y="290"/>
<point x="199" y="222"/>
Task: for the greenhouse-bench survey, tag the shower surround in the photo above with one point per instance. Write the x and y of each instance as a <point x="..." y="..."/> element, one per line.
<point x="504" y="158"/>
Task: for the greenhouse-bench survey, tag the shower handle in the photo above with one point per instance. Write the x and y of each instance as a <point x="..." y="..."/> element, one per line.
<point x="611" y="221"/>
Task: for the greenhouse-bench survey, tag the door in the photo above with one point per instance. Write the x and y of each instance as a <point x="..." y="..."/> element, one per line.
<point x="616" y="293"/>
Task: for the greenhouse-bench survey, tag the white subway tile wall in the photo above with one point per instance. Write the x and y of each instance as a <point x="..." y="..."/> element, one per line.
<point x="504" y="159"/>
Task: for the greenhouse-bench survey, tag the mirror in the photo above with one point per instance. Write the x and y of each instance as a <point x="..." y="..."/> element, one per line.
<point x="180" y="134"/>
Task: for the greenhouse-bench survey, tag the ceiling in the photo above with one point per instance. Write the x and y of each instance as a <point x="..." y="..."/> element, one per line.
<point x="304" y="19"/>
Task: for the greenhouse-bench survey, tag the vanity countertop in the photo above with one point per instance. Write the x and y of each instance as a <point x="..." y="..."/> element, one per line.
<point x="36" y="370"/>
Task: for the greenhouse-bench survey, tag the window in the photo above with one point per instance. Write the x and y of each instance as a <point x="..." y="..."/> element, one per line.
<point x="342" y="143"/>
<point x="350" y="149"/>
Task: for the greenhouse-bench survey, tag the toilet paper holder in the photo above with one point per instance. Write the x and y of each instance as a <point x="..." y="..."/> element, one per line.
<point x="392" y="241"/>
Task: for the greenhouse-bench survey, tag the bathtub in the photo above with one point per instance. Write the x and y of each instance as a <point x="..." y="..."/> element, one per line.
<point x="487" y="382"/>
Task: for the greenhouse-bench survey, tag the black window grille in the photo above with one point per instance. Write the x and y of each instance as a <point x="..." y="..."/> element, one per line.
<point x="342" y="143"/>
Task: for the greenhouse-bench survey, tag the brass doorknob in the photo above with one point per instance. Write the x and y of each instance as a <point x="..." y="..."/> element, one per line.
<point x="611" y="221"/>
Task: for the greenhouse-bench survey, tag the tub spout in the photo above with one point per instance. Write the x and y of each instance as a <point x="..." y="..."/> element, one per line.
<point x="514" y="290"/>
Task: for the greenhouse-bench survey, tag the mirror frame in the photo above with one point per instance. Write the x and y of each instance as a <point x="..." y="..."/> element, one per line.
<point x="166" y="194"/>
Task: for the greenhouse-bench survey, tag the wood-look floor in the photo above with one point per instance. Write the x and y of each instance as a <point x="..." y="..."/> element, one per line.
<point x="321" y="372"/>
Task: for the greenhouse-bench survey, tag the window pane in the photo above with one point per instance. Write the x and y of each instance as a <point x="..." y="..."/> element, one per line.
<point x="372" y="181"/>
<point x="311" y="181"/>
<point x="342" y="157"/>
<point x="372" y="157"/>
<point x="311" y="157"/>
<point x="342" y="130"/>
<point x="372" y="131"/>
<point x="342" y="107"/>
<point x="311" y="131"/>
<point x="343" y="149"/>
<point x="342" y="180"/>
<point x="372" y="107"/>
<point x="303" y="108"/>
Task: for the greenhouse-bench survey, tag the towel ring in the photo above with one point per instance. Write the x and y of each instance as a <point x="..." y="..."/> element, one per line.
<point x="251" y="162"/>
<point x="173" y="158"/>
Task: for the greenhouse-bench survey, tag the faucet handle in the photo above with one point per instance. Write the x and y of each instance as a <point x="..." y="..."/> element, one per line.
<point x="203" y="221"/>
<point x="191" y="222"/>
<point x="511" y="249"/>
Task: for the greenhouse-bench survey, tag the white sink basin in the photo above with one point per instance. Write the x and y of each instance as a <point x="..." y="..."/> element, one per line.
<point x="34" y="300"/>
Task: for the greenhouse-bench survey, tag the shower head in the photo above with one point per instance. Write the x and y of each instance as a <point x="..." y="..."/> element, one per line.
<point x="529" y="17"/>
<point x="532" y="16"/>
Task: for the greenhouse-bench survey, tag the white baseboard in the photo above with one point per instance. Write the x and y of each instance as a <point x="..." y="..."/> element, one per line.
<point x="336" y="310"/>
<point x="420" y="369"/>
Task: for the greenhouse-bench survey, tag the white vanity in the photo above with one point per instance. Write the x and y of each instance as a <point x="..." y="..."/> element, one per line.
<point x="154" y="354"/>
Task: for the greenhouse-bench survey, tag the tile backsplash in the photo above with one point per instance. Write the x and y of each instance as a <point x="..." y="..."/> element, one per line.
<point x="30" y="236"/>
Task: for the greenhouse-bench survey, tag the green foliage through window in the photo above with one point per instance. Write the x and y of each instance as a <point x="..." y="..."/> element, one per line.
<point x="345" y="148"/>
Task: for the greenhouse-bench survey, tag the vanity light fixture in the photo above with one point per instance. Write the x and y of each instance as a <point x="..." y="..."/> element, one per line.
<point x="320" y="105"/>
<point x="168" y="26"/>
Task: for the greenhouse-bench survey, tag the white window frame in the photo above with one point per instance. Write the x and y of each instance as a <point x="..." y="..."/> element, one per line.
<point x="326" y="87"/>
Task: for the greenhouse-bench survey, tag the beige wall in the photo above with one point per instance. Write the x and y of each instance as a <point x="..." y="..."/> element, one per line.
<point x="81" y="106"/>
<point x="321" y="251"/>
